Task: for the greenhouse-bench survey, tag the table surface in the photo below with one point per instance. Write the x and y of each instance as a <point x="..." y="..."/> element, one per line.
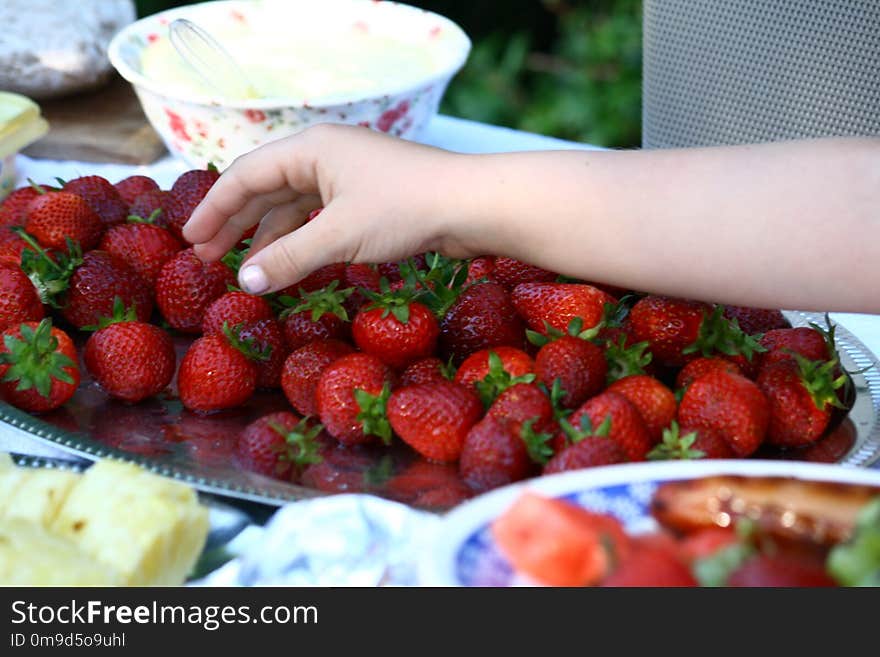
<point x="446" y="132"/>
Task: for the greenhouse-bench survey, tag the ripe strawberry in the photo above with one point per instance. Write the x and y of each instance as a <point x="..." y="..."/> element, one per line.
<point x="95" y="285"/>
<point x="510" y="272"/>
<point x="351" y="396"/>
<point x="234" y="308"/>
<point x="556" y="304"/>
<point x="434" y="418"/>
<point x="318" y="315"/>
<point x="38" y="366"/>
<point x="428" y="485"/>
<point x="133" y="186"/>
<point x="778" y="571"/>
<point x="318" y="280"/>
<point x="626" y="428"/>
<point x="303" y="368"/>
<point x="802" y="395"/>
<point x="186" y="193"/>
<point x="496" y="453"/>
<point x="482" y="317"/>
<point x="492" y="371"/>
<point x="143" y="247"/>
<point x="426" y="370"/>
<point x="780" y="343"/>
<point x="266" y="337"/>
<point x="19" y="301"/>
<point x="685" y="443"/>
<point x="216" y="372"/>
<point x="186" y="287"/>
<point x="696" y="368"/>
<point x="479" y="269"/>
<point x="653" y="567"/>
<point x="731" y="404"/>
<point x="130" y="360"/>
<point x="654" y="401"/>
<point x="11" y="244"/>
<point x="523" y="402"/>
<point x="13" y="209"/>
<point x="395" y="329"/>
<point x="587" y="453"/>
<point x="278" y="445"/>
<point x="578" y="365"/>
<point x="361" y="277"/>
<point x="152" y="206"/>
<point x="755" y="320"/>
<point x="54" y="218"/>
<point x="101" y="196"/>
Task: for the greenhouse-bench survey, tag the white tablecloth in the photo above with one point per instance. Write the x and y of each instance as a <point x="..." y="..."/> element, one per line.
<point x="446" y="132"/>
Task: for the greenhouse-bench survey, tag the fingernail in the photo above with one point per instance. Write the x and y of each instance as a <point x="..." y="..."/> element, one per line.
<point x="253" y="279"/>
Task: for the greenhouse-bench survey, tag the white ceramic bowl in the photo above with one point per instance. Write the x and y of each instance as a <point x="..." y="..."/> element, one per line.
<point x="202" y="129"/>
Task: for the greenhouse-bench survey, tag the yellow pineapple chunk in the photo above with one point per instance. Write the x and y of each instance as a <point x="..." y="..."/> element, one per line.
<point x="31" y="556"/>
<point x="148" y="528"/>
<point x="38" y="495"/>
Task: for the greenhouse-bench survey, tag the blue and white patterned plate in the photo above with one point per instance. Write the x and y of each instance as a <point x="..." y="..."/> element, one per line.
<point x="464" y="553"/>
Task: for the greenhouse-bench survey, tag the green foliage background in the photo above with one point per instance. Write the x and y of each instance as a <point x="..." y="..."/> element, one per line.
<point x="567" y="68"/>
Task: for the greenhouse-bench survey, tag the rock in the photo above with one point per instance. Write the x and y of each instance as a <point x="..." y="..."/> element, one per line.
<point x="50" y="48"/>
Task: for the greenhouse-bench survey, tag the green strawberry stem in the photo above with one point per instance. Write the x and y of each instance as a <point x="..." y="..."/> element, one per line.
<point x="137" y="219"/>
<point x="326" y="300"/>
<point x="498" y="380"/>
<point x="50" y="275"/>
<point x="574" y="435"/>
<point x="575" y="329"/>
<point x="246" y="346"/>
<point x="302" y="442"/>
<point x="720" y="335"/>
<point x="34" y="360"/>
<point x="819" y="380"/>
<point x="676" y="446"/>
<point x="373" y="416"/>
<point x="438" y="288"/>
<point x="120" y="314"/>
<point x="626" y="361"/>
<point x="536" y="442"/>
<point x="391" y="302"/>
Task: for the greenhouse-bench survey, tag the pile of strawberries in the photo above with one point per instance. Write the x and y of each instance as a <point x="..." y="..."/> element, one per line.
<point x="500" y="367"/>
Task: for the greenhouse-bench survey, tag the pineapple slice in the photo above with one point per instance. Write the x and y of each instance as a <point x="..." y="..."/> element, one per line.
<point x="31" y="556"/>
<point x="147" y="528"/>
<point x="38" y="494"/>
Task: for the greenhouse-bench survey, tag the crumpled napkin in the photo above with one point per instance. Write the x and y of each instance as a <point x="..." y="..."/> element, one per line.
<point x="341" y="540"/>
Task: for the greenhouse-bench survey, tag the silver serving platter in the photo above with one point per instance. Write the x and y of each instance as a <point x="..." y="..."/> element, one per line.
<point x="861" y="430"/>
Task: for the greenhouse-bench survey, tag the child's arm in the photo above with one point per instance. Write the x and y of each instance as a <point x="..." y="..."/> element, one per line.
<point x="793" y="224"/>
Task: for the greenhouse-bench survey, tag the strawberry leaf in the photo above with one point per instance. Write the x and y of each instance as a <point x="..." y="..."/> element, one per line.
<point x="536" y="442"/>
<point x="498" y="380"/>
<point x="373" y="416"/>
<point x="626" y="361"/>
<point x="673" y="445"/>
<point x="719" y="335"/>
<point x="34" y="360"/>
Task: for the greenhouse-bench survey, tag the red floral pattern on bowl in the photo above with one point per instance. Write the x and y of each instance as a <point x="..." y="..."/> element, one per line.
<point x="203" y="130"/>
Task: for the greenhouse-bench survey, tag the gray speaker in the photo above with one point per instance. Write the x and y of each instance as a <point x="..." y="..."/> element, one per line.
<point x="744" y="71"/>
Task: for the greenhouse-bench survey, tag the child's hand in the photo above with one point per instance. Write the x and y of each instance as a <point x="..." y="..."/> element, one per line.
<point x="384" y="200"/>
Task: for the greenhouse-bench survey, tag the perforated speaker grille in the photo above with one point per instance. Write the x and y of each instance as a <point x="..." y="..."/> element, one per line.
<point x="738" y="71"/>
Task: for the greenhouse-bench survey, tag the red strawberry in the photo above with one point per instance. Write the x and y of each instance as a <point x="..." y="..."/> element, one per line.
<point x="802" y="395"/>
<point x="13" y="209"/>
<point x="434" y="418"/>
<point x="133" y="186"/>
<point x="318" y="315"/>
<point x="186" y="193"/>
<point x="578" y="365"/>
<point x="778" y="571"/>
<point x="152" y="206"/>
<point x="234" y="308"/>
<point x="395" y="329"/>
<point x="587" y="453"/>
<point x="101" y="196"/>
<point x="278" y="445"/>
<point x="627" y="428"/>
<point x="492" y="371"/>
<point x="216" y="373"/>
<point x="97" y="283"/>
<point x="19" y="301"/>
<point x="755" y="320"/>
<point x="803" y="340"/>
<point x="426" y="370"/>
<point x="494" y="454"/>
<point x="523" y="402"/>
<point x="510" y="272"/>
<point x="186" y="287"/>
<point x="686" y="443"/>
<point x="482" y="317"/>
<point x="38" y="366"/>
<point x="731" y="404"/>
<point x="556" y="304"/>
<point x="361" y="277"/>
<point x="55" y="217"/>
<point x="318" y="280"/>
<point x="668" y="325"/>
<point x="480" y="268"/>
<point x="428" y="485"/>
<point x="706" y="542"/>
<point x="11" y="244"/>
<point x="654" y="401"/>
<point x="143" y="247"/>
<point x="652" y="567"/>
<point x="700" y="366"/>
<point x="351" y="397"/>
<point x="130" y="360"/>
<point x="302" y="371"/>
<point x="267" y="337"/>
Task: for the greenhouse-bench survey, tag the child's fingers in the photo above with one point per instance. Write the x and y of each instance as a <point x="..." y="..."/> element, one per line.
<point x="295" y="255"/>
<point x="281" y="220"/>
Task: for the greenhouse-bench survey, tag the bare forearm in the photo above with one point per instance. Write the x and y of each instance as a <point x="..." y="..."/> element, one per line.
<point x="792" y="224"/>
